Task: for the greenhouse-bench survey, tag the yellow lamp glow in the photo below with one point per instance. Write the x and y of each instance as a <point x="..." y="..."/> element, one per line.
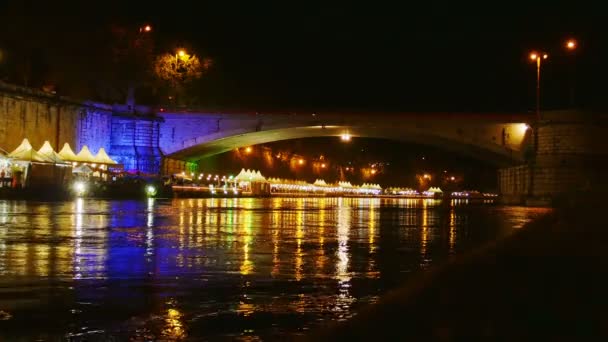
<point x="571" y="44"/>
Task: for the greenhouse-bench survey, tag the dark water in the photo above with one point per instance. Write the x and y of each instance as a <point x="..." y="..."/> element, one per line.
<point x="219" y="268"/>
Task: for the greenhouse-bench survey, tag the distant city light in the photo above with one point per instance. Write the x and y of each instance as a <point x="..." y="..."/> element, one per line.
<point x="373" y="171"/>
<point x="323" y="165"/>
<point x="345" y="137"/>
<point x="533" y="56"/>
<point x="147" y="28"/>
<point x="301" y="161"/>
<point x="248" y="150"/>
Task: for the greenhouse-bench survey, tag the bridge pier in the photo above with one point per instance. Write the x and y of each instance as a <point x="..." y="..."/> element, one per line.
<point x="134" y="142"/>
<point x="569" y="162"/>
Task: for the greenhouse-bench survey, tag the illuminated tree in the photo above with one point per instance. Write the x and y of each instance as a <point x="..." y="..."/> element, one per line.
<point x="424" y="181"/>
<point x="180" y="69"/>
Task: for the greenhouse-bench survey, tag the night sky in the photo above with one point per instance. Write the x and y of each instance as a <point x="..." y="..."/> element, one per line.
<point x="306" y="55"/>
<point x="369" y="55"/>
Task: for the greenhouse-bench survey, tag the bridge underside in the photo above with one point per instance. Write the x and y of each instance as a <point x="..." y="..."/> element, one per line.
<point x="492" y="153"/>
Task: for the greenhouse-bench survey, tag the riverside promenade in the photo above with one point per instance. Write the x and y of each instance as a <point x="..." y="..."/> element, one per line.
<point x="547" y="281"/>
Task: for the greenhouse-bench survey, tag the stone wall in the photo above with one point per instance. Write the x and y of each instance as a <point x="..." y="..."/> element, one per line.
<point x="40" y="116"/>
<point x="95" y="127"/>
<point x="134" y="143"/>
<point x="172" y="166"/>
<point x="571" y="159"/>
<point x="514" y="180"/>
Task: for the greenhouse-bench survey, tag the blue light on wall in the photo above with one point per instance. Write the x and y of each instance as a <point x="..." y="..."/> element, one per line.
<point x="134" y="143"/>
<point x="94" y="127"/>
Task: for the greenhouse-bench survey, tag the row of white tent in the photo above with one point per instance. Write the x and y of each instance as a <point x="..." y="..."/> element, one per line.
<point x="409" y="191"/>
<point x="253" y="176"/>
<point x="250" y="176"/>
<point x="322" y="183"/>
<point x="46" y="154"/>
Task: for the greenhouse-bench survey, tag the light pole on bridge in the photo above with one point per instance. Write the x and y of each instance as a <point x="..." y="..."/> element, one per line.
<point x="570" y="45"/>
<point x="538" y="57"/>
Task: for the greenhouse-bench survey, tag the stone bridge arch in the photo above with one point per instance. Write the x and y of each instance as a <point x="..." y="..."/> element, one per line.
<point x="499" y="139"/>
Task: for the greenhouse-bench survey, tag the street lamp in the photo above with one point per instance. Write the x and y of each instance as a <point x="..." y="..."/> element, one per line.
<point x="180" y="53"/>
<point x="537" y="56"/>
<point x="571" y="45"/>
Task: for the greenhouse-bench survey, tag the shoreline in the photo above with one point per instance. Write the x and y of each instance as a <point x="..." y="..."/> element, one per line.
<point x="501" y="289"/>
<point x="37" y="196"/>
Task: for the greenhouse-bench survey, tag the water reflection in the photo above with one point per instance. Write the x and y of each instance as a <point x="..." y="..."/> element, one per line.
<point x="221" y="258"/>
<point x="174" y="327"/>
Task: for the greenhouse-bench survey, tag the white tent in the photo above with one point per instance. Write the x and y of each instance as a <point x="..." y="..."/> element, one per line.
<point x="258" y="177"/>
<point x="103" y="158"/>
<point x="25" y="146"/>
<point x="250" y="176"/>
<point x="84" y="169"/>
<point x="245" y="175"/>
<point x="242" y="176"/>
<point x="47" y="150"/>
<point x="85" y="156"/>
<point x="320" y="182"/>
<point x="26" y="152"/>
<point x="66" y="153"/>
<point x="345" y="184"/>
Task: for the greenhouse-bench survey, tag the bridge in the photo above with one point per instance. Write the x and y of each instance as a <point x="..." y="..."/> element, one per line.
<point x="570" y="156"/>
<point x="499" y="139"/>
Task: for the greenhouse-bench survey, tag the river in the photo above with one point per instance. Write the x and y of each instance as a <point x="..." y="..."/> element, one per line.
<point x="242" y="268"/>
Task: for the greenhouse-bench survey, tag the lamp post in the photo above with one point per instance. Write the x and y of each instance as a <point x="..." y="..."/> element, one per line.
<point x="571" y="46"/>
<point x="538" y="57"/>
